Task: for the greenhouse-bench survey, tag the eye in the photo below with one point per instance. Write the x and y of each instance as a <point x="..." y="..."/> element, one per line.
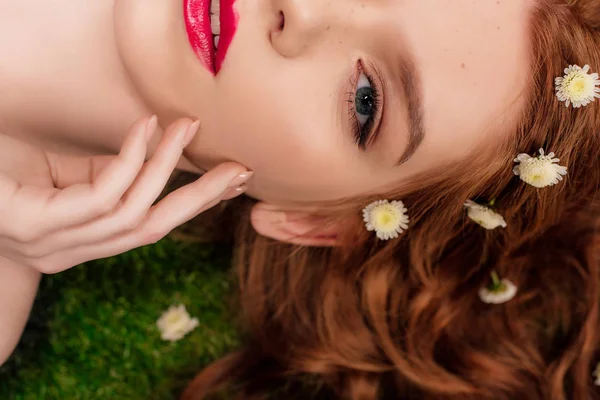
<point x="364" y="106"/>
<point x="364" y="100"/>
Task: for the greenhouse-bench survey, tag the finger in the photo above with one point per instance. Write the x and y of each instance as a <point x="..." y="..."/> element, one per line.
<point x="189" y="201"/>
<point x="156" y="173"/>
<point x="82" y="202"/>
<point x="137" y="201"/>
<point x="75" y="170"/>
<point x="174" y="210"/>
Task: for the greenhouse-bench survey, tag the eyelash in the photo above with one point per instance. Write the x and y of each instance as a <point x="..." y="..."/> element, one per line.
<point x="363" y="134"/>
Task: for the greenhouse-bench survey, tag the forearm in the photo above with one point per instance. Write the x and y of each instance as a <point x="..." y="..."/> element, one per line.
<point x="18" y="287"/>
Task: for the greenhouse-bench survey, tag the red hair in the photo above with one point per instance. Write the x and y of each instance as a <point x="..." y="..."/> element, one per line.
<point x="402" y="319"/>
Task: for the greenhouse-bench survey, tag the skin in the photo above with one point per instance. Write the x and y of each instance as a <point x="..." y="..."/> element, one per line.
<point x="74" y="79"/>
<point x="279" y="104"/>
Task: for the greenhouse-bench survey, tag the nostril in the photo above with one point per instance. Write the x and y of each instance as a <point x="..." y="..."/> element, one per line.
<point x="281" y="21"/>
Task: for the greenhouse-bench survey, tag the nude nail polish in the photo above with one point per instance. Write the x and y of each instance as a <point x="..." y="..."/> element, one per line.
<point x="191" y="132"/>
<point x="233" y="193"/>
<point x="240" y="179"/>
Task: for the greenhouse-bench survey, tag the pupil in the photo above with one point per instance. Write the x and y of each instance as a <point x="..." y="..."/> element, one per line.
<point x="364" y="100"/>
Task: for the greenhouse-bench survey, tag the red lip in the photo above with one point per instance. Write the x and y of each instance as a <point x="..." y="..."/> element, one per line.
<point x="197" y="24"/>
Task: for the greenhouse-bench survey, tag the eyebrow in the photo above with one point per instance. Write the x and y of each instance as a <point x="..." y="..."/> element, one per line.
<point x="410" y="82"/>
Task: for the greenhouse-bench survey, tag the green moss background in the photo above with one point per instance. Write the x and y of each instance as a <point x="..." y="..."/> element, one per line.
<point x="93" y="335"/>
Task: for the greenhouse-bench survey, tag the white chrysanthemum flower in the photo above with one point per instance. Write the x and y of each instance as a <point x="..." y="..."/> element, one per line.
<point x="387" y="219"/>
<point x="540" y="171"/>
<point x="597" y="375"/>
<point x="577" y="86"/>
<point x="500" y="291"/>
<point x="484" y="216"/>
<point x="175" y="323"/>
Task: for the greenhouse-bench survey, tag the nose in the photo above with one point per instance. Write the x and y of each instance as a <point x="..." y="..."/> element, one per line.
<point x="301" y="23"/>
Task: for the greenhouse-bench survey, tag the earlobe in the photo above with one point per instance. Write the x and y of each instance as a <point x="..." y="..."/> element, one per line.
<point x="295" y="227"/>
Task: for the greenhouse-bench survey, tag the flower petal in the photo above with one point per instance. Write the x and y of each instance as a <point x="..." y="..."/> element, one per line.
<point x="484" y="216"/>
<point x="577" y="86"/>
<point x="540" y="171"/>
<point x="498" y="297"/>
<point x="387" y="219"/>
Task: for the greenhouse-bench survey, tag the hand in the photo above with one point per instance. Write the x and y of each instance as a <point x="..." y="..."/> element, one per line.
<point x="101" y="206"/>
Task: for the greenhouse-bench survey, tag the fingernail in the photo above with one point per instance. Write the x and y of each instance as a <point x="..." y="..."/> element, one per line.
<point x="234" y="192"/>
<point x="191" y="132"/>
<point x="240" y="179"/>
<point x="151" y="127"/>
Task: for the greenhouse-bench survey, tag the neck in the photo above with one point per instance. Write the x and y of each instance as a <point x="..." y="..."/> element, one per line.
<point x="62" y="72"/>
<point x="66" y="84"/>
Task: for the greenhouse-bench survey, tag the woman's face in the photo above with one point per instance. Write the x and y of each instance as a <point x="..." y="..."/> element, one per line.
<point x="326" y="99"/>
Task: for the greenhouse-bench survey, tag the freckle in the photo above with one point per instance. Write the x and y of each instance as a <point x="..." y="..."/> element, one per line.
<point x="498" y="2"/>
<point x="463" y="66"/>
<point x="328" y="27"/>
<point x="498" y="27"/>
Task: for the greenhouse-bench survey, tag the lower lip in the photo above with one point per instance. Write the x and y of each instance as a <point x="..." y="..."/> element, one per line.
<point x="197" y="25"/>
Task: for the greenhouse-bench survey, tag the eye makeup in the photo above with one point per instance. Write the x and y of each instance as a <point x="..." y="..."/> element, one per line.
<point x="365" y="104"/>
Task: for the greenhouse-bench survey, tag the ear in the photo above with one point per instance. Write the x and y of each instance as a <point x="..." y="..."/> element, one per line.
<point x="295" y="227"/>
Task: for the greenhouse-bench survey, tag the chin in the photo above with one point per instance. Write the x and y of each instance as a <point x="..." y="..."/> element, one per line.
<point x="153" y="45"/>
<point x="202" y="154"/>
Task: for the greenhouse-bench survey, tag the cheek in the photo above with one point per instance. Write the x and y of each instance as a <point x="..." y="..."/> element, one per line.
<point x="294" y="147"/>
<point x="290" y="154"/>
<point x="286" y="125"/>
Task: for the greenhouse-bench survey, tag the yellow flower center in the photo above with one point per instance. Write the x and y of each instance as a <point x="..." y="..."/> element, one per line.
<point x="173" y="318"/>
<point x="577" y="86"/>
<point x="385" y="217"/>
